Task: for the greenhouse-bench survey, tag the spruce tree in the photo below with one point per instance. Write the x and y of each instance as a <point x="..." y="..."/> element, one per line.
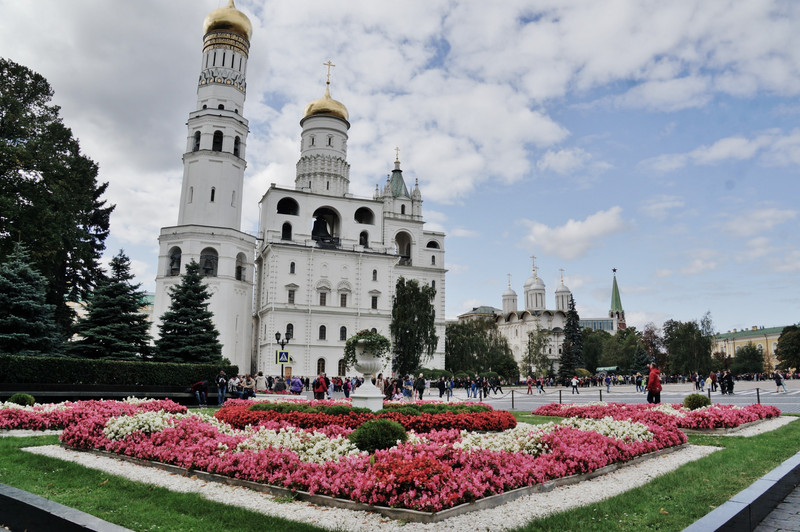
<point x="27" y="324"/>
<point x="114" y="327"/>
<point x="640" y="360"/>
<point x="186" y="332"/>
<point x="572" y="349"/>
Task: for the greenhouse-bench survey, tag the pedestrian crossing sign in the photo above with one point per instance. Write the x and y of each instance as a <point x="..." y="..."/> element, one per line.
<point x="283" y="357"/>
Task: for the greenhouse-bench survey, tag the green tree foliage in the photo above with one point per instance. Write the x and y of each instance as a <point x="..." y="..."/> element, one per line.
<point x="187" y="332"/>
<point x="748" y="359"/>
<point x="689" y="351"/>
<point x="476" y="346"/>
<point x="620" y="350"/>
<point x="27" y="326"/>
<point x="640" y="360"/>
<point x="114" y="326"/>
<point x="653" y="343"/>
<point x="572" y="349"/>
<point x="50" y="199"/>
<point x="536" y="360"/>
<point x="413" y="326"/>
<point x="593" y="345"/>
<point x="788" y="352"/>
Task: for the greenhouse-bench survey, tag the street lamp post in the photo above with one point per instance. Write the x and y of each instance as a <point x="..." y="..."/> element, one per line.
<point x="282" y="343"/>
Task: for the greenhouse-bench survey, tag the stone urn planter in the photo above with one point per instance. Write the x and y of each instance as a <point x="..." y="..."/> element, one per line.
<point x="369" y="350"/>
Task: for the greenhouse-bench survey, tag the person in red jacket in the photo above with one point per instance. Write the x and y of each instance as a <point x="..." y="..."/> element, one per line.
<point x="320" y="387"/>
<point x="654" y="385"/>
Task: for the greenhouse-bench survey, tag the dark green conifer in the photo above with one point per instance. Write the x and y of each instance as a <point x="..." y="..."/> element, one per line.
<point x="114" y="326"/>
<point x="187" y="332"/>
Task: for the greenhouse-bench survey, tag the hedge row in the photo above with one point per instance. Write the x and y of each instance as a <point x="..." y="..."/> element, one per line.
<point x="55" y="370"/>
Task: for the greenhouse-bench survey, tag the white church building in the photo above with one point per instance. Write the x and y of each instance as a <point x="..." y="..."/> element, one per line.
<point x="324" y="263"/>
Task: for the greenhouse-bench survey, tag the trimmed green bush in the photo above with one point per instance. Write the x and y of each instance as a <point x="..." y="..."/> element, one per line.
<point x="63" y="370"/>
<point x="378" y="434"/>
<point x="23" y="399"/>
<point x="695" y="401"/>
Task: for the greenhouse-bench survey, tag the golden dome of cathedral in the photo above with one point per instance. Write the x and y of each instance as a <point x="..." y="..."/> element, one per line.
<point x="326" y="106"/>
<point x="228" y="18"/>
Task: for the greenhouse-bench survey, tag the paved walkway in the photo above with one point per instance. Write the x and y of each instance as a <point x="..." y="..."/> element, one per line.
<point x="786" y="517"/>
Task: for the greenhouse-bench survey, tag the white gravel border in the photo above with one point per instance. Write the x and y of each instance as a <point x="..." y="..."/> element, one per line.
<point x="510" y="515"/>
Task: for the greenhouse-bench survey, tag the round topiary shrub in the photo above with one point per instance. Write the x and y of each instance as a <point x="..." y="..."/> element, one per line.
<point x="378" y="434"/>
<point x="695" y="401"/>
<point x="23" y="399"/>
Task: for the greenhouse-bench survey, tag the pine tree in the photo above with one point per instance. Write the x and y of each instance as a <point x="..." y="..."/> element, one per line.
<point x="27" y="324"/>
<point x="640" y="360"/>
<point x="113" y="326"/>
<point x="187" y="333"/>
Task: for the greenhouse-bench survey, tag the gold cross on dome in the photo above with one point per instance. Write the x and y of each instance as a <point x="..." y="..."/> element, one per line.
<point x="397" y="153"/>
<point x="329" y="65"/>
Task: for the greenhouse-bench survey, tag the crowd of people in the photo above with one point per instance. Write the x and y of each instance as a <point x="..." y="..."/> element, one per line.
<point x="409" y="387"/>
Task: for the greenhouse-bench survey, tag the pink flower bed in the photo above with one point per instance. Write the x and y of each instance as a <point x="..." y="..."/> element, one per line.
<point x="431" y="472"/>
<point x="713" y="417"/>
<point x="46" y="417"/>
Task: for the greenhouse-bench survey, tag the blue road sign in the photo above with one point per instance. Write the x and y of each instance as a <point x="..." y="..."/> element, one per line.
<point x="283" y="357"/>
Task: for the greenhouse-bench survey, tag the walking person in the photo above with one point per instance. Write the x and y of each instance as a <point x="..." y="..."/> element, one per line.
<point x="575" y="385"/>
<point x="654" y="385"/>
<point x="419" y="386"/>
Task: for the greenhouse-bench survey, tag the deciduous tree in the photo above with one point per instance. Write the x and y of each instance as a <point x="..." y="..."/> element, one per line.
<point x="50" y="199"/>
<point x="788" y="351"/>
<point x="413" y="326"/>
<point x="748" y="359"/>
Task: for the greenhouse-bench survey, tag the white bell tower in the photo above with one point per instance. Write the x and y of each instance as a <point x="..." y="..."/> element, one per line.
<point x="210" y="213"/>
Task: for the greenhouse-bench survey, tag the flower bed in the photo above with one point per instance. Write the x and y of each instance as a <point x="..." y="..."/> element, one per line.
<point x="711" y="417"/>
<point x="240" y="414"/>
<point x="432" y="471"/>
<point x="59" y="415"/>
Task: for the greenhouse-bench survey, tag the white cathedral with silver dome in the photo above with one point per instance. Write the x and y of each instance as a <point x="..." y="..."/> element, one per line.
<point x="324" y="263"/>
<point x="515" y="324"/>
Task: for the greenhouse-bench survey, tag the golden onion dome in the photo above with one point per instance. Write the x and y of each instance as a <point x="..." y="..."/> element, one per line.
<point x="228" y="18"/>
<point x="326" y="106"/>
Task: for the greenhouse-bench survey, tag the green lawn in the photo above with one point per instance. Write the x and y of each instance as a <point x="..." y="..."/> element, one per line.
<point x="670" y="502"/>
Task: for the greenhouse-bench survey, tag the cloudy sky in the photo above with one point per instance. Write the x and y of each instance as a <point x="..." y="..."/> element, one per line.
<point x="658" y="138"/>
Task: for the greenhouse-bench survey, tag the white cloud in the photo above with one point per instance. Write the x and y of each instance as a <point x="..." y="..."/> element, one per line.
<point x="459" y="232"/>
<point x="576" y="237"/>
<point x="660" y="207"/>
<point x="758" y="220"/>
<point x="563" y="161"/>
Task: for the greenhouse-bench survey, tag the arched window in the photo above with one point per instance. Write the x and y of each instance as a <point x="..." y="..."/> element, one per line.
<point x="374" y="330"/>
<point x="323" y="332"/>
<point x="174" y="262"/>
<point x="364" y="216"/>
<point x="196" y="145"/>
<point x="320" y="366"/>
<point x="236" y="143"/>
<point x="402" y="244"/>
<point x="213" y="194"/>
<point x="433" y="260"/>
<point x="208" y="262"/>
<point x="220" y="106"/>
<point x="341" y="367"/>
<point x="240" y="262"/>
<point x="216" y="145"/>
<point x="289" y="331"/>
<point x="342" y="333"/>
<point x="363" y="239"/>
<point x="288" y="206"/>
<point x="286" y="231"/>
<point x="433" y="244"/>
<point x="374" y="275"/>
<point x="433" y="285"/>
<point x="402" y="209"/>
<point x="291" y="267"/>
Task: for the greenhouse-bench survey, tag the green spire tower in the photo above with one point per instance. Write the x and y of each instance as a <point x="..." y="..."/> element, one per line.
<point x="616" y="304"/>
